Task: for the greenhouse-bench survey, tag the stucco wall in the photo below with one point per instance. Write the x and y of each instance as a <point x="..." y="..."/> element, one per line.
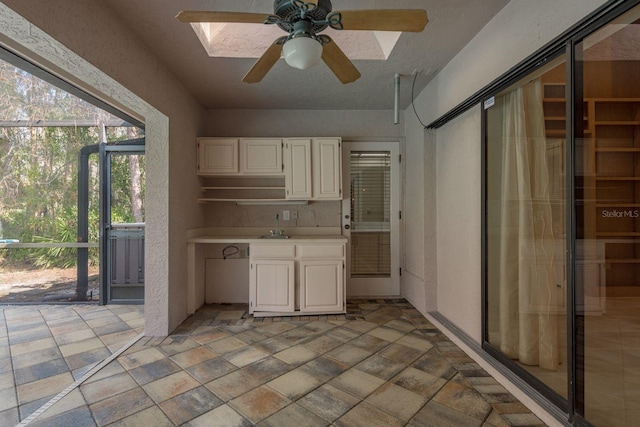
<point x="97" y="53"/>
<point x="515" y="32"/>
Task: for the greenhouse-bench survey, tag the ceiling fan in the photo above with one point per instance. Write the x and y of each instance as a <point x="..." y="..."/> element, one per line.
<point x="303" y="20"/>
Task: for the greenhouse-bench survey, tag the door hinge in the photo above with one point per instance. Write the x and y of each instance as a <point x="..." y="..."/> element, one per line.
<point x="400" y="271"/>
<point x="399" y="158"/>
<point x="400" y="215"/>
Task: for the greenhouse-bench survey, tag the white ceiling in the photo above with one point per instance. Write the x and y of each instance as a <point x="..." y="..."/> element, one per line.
<point x="216" y="82"/>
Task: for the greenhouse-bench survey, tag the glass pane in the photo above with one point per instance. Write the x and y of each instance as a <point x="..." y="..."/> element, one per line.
<point x="607" y="267"/>
<point x="525" y="214"/>
<point x="127" y="188"/>
<point x="370" y="210"/>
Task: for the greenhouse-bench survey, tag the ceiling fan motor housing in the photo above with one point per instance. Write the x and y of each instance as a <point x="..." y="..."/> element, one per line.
<point x="289" y="13"/>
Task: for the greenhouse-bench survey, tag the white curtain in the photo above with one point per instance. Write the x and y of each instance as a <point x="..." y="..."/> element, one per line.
<point x="528" y="306"/>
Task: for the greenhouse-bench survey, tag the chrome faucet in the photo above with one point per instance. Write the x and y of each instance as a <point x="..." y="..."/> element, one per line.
<point x="277" y="231"/>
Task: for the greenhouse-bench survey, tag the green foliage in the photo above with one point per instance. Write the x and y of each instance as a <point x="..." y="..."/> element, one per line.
<point x="39" y="169"/>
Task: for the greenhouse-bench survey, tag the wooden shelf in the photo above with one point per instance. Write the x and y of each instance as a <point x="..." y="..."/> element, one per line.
<point x="618" y="234"/>
<point x="617" y="178"/>
<point x="622" y="260"/>
<point x="618" y="150"/>
<point x="242" y="188"/>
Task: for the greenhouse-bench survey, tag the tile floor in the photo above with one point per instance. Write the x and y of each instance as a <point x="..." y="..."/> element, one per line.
<point x="382" y="364"/>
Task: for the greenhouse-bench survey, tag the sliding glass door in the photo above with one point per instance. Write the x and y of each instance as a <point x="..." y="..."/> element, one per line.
<point x="525" y="230"/>
<point x="607" y="268"/>
<point x="562" y="223"/>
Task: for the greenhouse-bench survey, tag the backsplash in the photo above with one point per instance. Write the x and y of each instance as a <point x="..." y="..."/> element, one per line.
<point x="315" y="214"/>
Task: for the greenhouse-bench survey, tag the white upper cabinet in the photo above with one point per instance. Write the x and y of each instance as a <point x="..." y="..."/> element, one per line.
<point x="327" y="169"/>
<point x="259" y="156"/>
<point x="218" y="156"/>
<point x="313" y="168"/>
<point x="297" y="167"/>
<point x="240" y="156"/>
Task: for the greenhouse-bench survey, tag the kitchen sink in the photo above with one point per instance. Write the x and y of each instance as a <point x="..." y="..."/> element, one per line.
<point x="274" y="236"/>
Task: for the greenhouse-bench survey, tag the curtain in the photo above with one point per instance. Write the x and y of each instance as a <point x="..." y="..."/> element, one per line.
<point x="527" y="283"/>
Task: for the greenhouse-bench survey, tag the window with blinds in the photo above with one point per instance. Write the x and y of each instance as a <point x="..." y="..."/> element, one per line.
<point x="370" y="213"/>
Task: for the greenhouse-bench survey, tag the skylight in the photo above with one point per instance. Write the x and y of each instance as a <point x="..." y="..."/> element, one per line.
<point x="251" y="40"/>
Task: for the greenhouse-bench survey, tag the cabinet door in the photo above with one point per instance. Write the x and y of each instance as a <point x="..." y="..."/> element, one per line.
<point x="217" y="156"/>
<point x="327" y="170"/>
<point x="297" y="168"/>
<point x="322" y="286"/>
<point x="272" y="285"/>
<point x="261" y="156"/>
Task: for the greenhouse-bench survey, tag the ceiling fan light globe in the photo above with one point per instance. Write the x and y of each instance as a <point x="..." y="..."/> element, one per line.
<point x="302" y="52"/>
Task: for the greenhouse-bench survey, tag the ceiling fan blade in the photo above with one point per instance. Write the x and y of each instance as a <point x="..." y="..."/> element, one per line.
<point x="411" y="20"/>
<point x="265" y="62"/>
<point x="338" y="62"/>
<point x="211" y="16"/>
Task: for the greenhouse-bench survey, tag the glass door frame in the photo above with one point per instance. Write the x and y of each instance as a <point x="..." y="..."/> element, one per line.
<point x="572" y="408"/>
<point x="392" y="283"/>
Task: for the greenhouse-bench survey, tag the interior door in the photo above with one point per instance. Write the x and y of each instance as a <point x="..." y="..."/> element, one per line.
<point x="371" y="217"/>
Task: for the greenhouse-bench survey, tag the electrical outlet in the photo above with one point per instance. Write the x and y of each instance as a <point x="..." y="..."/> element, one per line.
<point x="286" y="215"/>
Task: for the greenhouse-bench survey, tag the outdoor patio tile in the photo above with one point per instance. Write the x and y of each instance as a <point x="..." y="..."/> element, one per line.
<point x="71" y="401"/>
<point x="322" y="344"/>
<point x="115" y="326"/>
<point x="463" y="399"/>
<point x="259" y="403"/>
<point x="495" y="420"/>
<point x="386" y="334"/>
<point x="80" y="360"/>
<point x="140" y="357"/>
<point x="9" y="417"/>
<point x="398" y="401"/>
<point x="226" y="345"/>
<point x="245" y="356"/>
<point x="189" y="405"/>
<point x="73" y="337"/>
<point x="40" y="371"/>
<point x="328" y="402"/>
<point x="366" y="415"/>
<point x="207" y="334"/>
<point x="8" y="399"/>
<point x="369" y="342"/>
<point x="32" y="346"/>
<point x="267" y="369"/>
<point x="436" y="415"/>
<point x="325" y="368"/>
<point x="529" y="420"/>
<point x="211" y="369"/>
<point x="349" y="354"/>
<point x="416" y="341"/>
<point x="222" y="416"/>
<point x="233" y="385"/>
<point x="154" y="371"/>
<point x="342" y="334"/>
<point x="193" y="356"/>
<point x="7" y="379"/>
<point x="107" y="387"/>
<point x="380" y="367"/>
<point x="273" y="345"/>
<point x="152" y="416"/>
<point x="32" y="334"/>
<point x="44" y="387"/>
<point x="276" y="328"/>
<point x="293" y="415"/>
<point x="120" y="406"/>
<point x="357" y="383"/>
<point x="400" y="325"/>
<point x="419" y="382"/>
<point x="296" y="355"/>
<point x="295" y="384"/>
<point x="170" y="386"/>
<point x="434" y="364"/>
<point x="81" y="346"/>
<point x="400" y="353"/>
<point x="75" y="417"/>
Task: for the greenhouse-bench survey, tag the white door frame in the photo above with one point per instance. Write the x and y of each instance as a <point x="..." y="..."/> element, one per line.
<point x="382" y="286"/>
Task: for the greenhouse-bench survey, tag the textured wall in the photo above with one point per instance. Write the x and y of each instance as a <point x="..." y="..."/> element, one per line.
<point x="89" y="46"/>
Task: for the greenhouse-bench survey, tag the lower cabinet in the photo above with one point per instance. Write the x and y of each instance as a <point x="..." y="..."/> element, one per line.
<point x="288" y="279"/>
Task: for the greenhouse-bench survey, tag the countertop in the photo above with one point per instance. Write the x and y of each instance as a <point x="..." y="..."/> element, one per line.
<point x="252" y="235"/>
